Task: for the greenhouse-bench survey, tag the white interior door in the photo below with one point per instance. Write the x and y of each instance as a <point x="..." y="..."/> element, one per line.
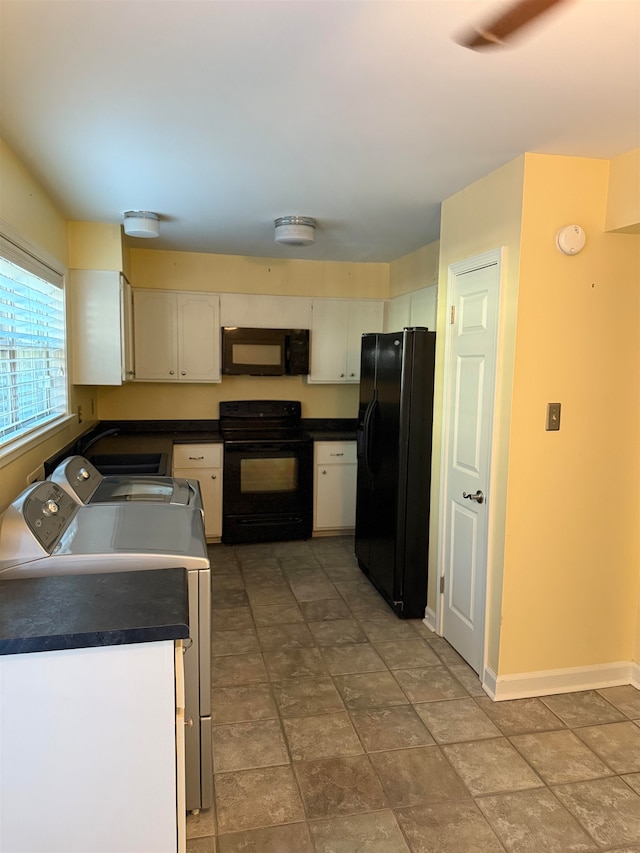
<point x="474" y="291"/>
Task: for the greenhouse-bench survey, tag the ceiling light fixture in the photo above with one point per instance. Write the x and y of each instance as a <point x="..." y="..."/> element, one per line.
<point x="141" y="223"/>
<point x="295" y="230"/>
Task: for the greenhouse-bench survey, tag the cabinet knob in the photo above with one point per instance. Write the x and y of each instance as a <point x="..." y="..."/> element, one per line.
<point x="189" y="723"/>
<point x="341" y="375"/>
<point x="213" y="477"/>
<point x="171" y="372"/>
<point x="323" y="472"/>
<point x="183" y="373"/>
<point x="352" y="374"/>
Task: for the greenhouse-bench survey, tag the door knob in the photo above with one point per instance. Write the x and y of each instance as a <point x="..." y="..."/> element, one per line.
<point x="478" y="497"/>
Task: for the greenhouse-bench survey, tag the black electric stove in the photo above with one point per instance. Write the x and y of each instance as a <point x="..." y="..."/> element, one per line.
<point x="268" y="472"/>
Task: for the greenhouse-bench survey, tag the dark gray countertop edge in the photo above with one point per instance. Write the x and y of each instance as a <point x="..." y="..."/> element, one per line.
<point x="93" y="639"/>
<point x="85" y="611"/>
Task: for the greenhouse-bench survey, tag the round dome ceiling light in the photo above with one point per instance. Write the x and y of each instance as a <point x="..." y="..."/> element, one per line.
<point x="295" y="230"/>
<point x="141" y="223"/>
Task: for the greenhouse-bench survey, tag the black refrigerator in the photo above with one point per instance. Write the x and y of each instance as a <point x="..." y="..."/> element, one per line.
<point x="395" y="418"/>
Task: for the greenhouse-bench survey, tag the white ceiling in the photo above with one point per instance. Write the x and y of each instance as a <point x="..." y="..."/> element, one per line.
<point x="366" y="114"/>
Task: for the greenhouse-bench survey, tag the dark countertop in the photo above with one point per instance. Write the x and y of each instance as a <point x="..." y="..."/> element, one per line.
<point x="160" y="436"/>
<point x="82" y="611"/>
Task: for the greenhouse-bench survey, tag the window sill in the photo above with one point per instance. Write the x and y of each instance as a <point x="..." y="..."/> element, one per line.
<point x="15" y="449"/>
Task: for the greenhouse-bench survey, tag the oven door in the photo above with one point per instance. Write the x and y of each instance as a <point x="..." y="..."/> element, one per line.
<point x="267" y="491"/>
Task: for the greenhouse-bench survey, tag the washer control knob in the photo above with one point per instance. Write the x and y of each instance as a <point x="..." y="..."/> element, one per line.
<point x="83" y="474"/>
<point x="50" y="507"/>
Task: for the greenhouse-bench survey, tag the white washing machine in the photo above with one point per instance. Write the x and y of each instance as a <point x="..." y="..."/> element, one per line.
<point x="46" y="532"/>
<point x="82" y="480"/>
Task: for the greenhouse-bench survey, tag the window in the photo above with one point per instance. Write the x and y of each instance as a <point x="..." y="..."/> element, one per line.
<point x="33" y="372"/>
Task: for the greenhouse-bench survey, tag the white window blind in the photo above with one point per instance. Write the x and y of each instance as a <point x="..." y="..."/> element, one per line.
<point x="33" y="381"/>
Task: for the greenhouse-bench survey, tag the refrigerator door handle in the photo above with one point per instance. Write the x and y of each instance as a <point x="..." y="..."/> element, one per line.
<point x="367" y="424"/>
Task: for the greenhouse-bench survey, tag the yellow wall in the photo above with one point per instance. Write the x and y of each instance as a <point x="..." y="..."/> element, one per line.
<point x="623" y="200"/>
<point x="235" y="274"/>
<point x="484" y="216"/>
<point x="564" y="564"/>
<point x="95" y="246"/>
<point x="27" y="208"/>
<point x="25" y="205"/>
<point x="239" y="274"/>
<point x="415" y="271"/>
<point x="571" y="562"/>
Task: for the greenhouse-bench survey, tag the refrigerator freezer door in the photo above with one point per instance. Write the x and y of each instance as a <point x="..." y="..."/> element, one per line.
<point x="376" y="513"/>
<point x="394" y="465"/>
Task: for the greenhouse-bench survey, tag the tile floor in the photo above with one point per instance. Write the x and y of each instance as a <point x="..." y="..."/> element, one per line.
<point x="339" y="728"/>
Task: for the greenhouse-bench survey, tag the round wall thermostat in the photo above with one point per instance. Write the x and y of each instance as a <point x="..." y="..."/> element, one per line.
<point x="571" y="239"/>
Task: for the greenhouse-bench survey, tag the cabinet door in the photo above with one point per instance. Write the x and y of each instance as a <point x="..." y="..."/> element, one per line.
<point x="99" y="760"/>
<point x="99" y="334"/>
<point x="155" y="335"/>
<point x="335" y="485"/>
<point x="126" y="332"/>
<point x="364" y="316"/>
<point x="424" y="307"/>
<point x="181" y="794"/>
<point x="187" y="461"/>
<point x="265" y="312"/>
<point x="210" y="480"/>
<point x="335" y="497"/>
<point x="398" y="313"/>
<point x="329" y="323"/>
<point x="199" y="337"/>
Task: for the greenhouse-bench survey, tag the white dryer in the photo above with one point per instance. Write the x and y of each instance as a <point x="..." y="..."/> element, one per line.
<point x="46" y="532"/>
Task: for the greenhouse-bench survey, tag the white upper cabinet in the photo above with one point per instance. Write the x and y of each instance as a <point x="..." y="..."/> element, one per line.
<point x="101" y="329"/>
<point x="176" y="336"/>
<point x="418" y="308"/>
<point x="424" y="307"/>
<point x="337" y="326"/>
<point x="255" y="311"/>
<point x="397" y="313"/>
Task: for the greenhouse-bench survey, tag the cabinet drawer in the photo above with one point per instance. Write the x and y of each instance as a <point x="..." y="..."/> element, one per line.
<point x="329" y="452"/>
<point x="197" y="455"/>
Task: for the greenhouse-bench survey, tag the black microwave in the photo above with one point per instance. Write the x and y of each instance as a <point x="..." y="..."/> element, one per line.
<point x="265" y="352"/>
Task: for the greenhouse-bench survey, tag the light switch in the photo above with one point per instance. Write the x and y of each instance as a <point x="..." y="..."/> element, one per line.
<point x="553" y="416"/>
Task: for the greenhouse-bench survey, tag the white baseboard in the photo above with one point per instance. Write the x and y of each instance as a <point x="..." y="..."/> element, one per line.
<point x="430" y="619"/>
<point x="527" y="684"/>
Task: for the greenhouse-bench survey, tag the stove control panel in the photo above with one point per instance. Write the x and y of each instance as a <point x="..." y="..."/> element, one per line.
<point x="260" y="409"/>
<point x="47" y="510"/>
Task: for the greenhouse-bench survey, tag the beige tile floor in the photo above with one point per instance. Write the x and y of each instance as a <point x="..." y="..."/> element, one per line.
<point x="339" y="728"/>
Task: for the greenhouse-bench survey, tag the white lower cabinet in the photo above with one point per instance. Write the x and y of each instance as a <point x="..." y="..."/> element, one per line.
<point x="203" y="462"/>
<point x="334" y="506"/>
<point x="90" y="759"/>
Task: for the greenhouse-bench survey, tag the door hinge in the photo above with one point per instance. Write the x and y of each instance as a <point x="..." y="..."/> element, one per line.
<point x="442" y="584"/>
<point x="452" y="315"/>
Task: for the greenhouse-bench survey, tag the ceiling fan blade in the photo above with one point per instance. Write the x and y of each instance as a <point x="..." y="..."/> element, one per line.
<point x="499" y="30"/>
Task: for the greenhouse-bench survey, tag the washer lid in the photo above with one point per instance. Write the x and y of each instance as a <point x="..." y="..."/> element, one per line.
<point x="133" y="528"/>
<point x="145" y="488"/>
